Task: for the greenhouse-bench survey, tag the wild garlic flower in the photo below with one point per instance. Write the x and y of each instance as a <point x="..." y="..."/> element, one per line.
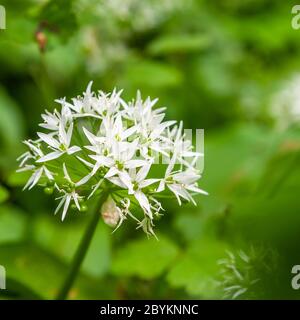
<point x="250" y="274"/>
<point x="285" y="104"/>
<point x="238" y="274"/>
<point x="100" y="143"/>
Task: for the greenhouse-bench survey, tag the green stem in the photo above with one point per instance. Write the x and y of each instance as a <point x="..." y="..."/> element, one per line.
<point x="81" y="251"/>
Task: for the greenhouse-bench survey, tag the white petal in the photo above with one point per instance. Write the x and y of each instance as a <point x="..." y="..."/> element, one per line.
<point x="179" y="192"/>
<point x="89" y="135"/>
<point x="88" y="164"/>
<point x="66" y="206"/>
<point x="84" y="180"/>
<point x="95" y="188"/>
<point x="127" y="133"/>
<point x="60" y="204"/>
<point x="51" y="156"/>
<point x="29" y="156"/>
<point x="131" y="150"/>
<point x="75" y="198"/>
<point x="49" y="140"/>
<point x="170" y="166"/>
<point x="186" y="177"/>
<point x="160" y="128"/>
<point x="161" y="186"/>
<point x="26" y="168"/>
<point x="111" y="172"/>
<point x="142" y="174"/>
<point x="73" y="149"/>
<point x="34" y="148"/>
<point x="66" y="174"/>
<point x="95" y="168"/>
<point x="146" y="183"/>
<point x="48" y="173"/>
<point x="118" y="126"/>
<point x="33" y="179"/>
<point x="196" y="189"/>
<point x="89" y="88"/>
<point x="36" y="178"/>
<point x="62" y="134"/>
<point x="125" y="178"/>
<point x="117" y="181"/>
<point x="104" y="161"/>
<point x="69" y="134"/>
<point x="143" y="201"/>
<point x="135" y="163"/>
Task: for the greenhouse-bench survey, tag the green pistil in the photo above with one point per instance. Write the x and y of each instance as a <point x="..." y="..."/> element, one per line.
<point x="102" y="171"/>
<point x="170" y="180"/>
<point x="144" y="140"/>
<point x="70" y="187"/>
<point x="69" y="190"/>
<point x="135" y="186"/>
<point x="119" y="165"/>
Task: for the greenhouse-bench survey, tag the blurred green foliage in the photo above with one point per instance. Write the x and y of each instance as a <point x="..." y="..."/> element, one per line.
<point x="214" y="64"/>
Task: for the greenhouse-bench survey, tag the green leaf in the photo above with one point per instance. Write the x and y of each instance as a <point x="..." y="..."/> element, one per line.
<point x="145" y="258"/>
<point x="17" y="290"/>
<point x="4" y="194"/>
<point x="11" y="123"/>
<point x="43" y="274"/>
<point x="62" y="239"/>
<point x="190" y="224"/>
<point x="243" y="159"/>
<point x="18" y="179"/>
<point x="185" y="43"/>
<point x="152" y="74"/>
<point x="60" y="65"/>
<point x="281" y="168"/>
<point x="197" y="269"/>
<point x="12" y="224"/>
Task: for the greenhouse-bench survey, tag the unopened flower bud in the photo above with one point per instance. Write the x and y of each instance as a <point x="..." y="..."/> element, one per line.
<point x="48" y="190"/>
<point x="110" y="212"/>
<point x="41" y="40"/>
<point x="83" y="208"/>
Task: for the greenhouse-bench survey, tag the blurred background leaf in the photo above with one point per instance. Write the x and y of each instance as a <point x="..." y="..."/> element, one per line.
<point x="144" y="258"/>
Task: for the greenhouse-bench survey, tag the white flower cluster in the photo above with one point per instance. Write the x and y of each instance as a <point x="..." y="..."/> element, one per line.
<point x="98" y="143"/>
<point x="285" y="104"/>
<point x="140" y="15"/>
